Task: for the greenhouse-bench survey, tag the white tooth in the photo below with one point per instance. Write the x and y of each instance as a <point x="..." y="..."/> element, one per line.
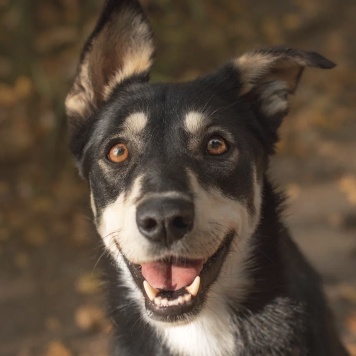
<point x="150" y="291"/>
<point x="157" y="300"/>
<point x="194" y="287"/>
<point x="187" y="297"/>
<point x="164" y="302"/>
<point x="172" y="302"/>
<point x="181" y="300"/>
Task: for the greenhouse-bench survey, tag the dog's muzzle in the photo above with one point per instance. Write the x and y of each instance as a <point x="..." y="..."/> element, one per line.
<point x="174" y="287"/>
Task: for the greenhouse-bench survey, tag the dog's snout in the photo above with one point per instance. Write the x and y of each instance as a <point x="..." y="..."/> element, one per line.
<point x="165" y="220"/>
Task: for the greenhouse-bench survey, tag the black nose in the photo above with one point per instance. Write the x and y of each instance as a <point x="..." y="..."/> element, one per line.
<point x="165" y="220"/>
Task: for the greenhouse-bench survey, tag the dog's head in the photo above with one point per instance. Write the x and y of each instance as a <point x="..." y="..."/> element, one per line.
<point x="175" y="170"/>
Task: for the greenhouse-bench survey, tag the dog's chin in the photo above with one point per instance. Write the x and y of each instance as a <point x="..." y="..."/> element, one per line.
<point x="180" y="303"/>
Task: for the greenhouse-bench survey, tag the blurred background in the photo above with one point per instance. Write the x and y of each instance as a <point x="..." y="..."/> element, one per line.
<point x="50" y="299"/>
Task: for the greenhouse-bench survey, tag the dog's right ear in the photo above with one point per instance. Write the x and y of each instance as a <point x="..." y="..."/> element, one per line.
<point x="119" y="48"/>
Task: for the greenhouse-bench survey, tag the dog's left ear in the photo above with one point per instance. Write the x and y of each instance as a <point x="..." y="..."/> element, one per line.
<point x="119" y="48"/>
<point x="268" y="76"/>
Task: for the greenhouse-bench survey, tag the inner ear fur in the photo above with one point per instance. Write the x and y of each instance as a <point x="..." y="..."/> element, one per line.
<point x="270" y="75"/>
<point x="120" y="47"/>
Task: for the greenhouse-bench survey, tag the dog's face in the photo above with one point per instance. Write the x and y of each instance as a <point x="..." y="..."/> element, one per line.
<point x="175" y="174"/>
<point x="175" y="170"/>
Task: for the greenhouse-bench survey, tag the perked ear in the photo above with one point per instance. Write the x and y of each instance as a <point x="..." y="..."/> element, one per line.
<point x="270" y="75"/>
<point x="120" y="47"/>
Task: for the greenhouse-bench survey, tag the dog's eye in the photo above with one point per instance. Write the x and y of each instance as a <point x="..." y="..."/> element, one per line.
<point x="216" y="146"/>
<point x="118" y="153"/>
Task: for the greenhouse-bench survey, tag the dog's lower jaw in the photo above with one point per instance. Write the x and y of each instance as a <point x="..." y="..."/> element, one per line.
<point x="211" y="331"/>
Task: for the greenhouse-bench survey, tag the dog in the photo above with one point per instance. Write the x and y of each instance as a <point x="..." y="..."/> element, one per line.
<point x="201" y="263"/>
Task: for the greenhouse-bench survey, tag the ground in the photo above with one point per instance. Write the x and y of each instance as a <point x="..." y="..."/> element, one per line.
<point x="50" y="291"/>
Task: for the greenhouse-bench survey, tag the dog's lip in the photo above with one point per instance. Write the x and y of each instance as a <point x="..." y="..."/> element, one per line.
<point x="175" y="305"/>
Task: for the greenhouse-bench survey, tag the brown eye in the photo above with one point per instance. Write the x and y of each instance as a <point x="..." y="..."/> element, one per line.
<point x="216" y="146"/>
<point x="118" y="153"/>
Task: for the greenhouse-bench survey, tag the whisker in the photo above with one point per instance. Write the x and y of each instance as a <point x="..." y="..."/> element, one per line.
<point x="111" y="233"/>
<point x="98" y="260"/>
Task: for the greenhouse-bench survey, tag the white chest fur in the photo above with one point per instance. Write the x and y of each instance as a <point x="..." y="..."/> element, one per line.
<point x="210" y="334"/>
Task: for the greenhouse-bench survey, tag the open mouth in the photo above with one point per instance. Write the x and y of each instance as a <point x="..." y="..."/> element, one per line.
<point x="175" y="288"/>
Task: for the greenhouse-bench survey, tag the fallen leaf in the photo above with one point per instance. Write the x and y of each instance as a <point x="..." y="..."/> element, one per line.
<point x="347" y="185"/>
<point x="351" y="323"/>
<point x="56" y="348"/>
<point x="89" y="317"/>
<point x="35" y="235"/>
<point x="23" y="87"/>
<point x="293" y="191"/>
<point x="88" y="283"/>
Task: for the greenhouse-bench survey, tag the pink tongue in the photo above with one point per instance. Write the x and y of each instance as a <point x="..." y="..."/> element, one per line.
<point x="171" y="276"/>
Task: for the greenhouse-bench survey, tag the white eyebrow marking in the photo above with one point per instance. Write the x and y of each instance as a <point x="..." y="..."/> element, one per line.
<point x="194" y="121"/>
<point x="135" y="122"/>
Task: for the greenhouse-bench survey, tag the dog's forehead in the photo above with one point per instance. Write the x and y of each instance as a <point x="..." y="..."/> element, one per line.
<point x="192" y="121"/>
<point x="186" y="105"/>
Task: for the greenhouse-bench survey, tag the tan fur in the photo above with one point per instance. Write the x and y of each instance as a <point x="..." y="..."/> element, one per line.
<point x="80" y="100"/>
<point x="272" y="76"/>
<point x="194" y="122"/>
<point x="123" y="48"/>
<point x="135" y="123"/>
<point x="252" y="66"/>
<point x="257" y="68"/>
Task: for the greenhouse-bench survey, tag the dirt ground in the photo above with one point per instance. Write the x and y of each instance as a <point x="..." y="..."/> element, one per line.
<point x="51" y="302"/>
